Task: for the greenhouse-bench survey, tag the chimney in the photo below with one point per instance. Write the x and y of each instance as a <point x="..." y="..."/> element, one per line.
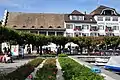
<point x="85" y="12"/>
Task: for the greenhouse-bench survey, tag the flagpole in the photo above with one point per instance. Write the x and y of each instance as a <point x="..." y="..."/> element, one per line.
<point x="98" y="2"/>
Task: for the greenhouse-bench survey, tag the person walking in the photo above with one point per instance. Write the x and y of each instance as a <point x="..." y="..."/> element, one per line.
<point x="10" y="55"/>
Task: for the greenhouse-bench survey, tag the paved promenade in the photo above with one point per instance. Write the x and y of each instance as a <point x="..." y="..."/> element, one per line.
<point x="59" y="72"/>
<point x="9" y="67"/>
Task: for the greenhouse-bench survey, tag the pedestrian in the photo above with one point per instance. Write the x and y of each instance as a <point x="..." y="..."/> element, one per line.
<point x="10" y="55"/>
<point x="58" y="51"/>
<point x="5" y="50"/>
<point x="29" y="50"/>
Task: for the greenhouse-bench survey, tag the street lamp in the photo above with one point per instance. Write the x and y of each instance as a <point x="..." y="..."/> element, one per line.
<point x="70" y="47"/>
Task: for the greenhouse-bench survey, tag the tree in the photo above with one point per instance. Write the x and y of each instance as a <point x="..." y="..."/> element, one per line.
<point x="88" y="44"/>
<point x="80" y="42"/>
<point x="112" y="41"/>
<point x="0" y="22"/>
<point x="60" y="40"/>
<point x="96" y="42"/>
<point x="40" y="40"/>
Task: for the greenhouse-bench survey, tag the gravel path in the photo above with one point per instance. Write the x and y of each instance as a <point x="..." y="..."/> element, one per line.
<point x="59" y="72"/>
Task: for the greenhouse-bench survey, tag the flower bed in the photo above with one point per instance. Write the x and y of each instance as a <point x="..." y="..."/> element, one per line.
<point x="23" y="71"/>
<point x="48" y="71"/>
<point x="74" y="71"/>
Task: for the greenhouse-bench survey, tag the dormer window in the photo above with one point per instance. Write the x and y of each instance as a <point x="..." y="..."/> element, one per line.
<point x="23" y="26"/>
<point x="41" y="26"/>
<point x="33" y="26"/>
<point x="75" y="17"/>
<point x="108" y="12"/>
<point x="14" y="26"/>
<point x="58" y="27"/>
<point x="50" y="27"/>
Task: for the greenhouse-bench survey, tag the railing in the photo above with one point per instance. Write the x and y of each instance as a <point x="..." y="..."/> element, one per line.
<point x="93" y="29"/>
<point x="108" y="29"/>
<point x="77" y="29"/>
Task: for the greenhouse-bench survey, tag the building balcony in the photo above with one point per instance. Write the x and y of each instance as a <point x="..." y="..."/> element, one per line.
<point x="77" y="29"/>
<point x="108" y="30"/>
<point x="92" y="29"/>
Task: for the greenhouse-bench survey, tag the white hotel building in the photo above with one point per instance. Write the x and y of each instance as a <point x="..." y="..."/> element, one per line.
<point x="103" y="21"/>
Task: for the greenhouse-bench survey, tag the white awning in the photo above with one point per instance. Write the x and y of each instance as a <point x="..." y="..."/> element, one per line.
<point x="70" y="43"/>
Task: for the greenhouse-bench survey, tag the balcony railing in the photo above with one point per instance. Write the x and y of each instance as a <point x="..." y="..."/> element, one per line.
<point x="108" y="29"/>
<point x="77" y="29"/>
<point x="94" y="29"/>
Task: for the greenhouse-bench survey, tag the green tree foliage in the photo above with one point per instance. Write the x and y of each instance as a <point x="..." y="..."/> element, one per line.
<point x="60" y="40"/>
<point x="20" y="37"/>
<point x="80" y="41"/>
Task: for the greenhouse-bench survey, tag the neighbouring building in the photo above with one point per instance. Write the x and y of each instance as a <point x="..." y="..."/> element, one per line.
<point x="103" y="21"/>
<point x="108" y="21"/>
<point x="79" y="24"/>
<point x="39" y="23"/>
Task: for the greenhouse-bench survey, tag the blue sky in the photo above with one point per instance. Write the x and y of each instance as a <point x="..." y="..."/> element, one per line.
<point x="54" y="6"/>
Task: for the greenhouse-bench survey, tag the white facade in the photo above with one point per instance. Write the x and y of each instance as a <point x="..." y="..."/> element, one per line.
<point x="107" y="24"/>
<point x="114" y="25"/>
<point x="80" y="29"/>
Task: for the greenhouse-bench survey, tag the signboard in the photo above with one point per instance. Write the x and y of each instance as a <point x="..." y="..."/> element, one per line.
<point x="5" y="44"/>
<point x="106" y="23"/>
<point x="14" y="50"/>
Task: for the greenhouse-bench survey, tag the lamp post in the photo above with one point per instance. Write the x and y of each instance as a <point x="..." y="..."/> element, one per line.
<point x="70" y="48"/>
<point x="22" y="48"/>
<point x="81" y="44"/>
